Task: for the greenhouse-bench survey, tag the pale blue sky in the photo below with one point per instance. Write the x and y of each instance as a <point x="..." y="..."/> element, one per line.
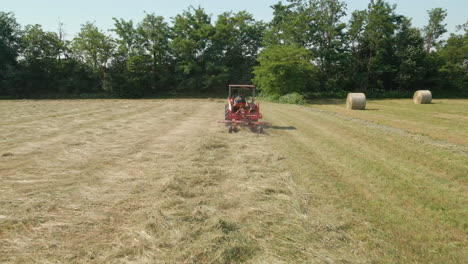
<point x="76" y="12"/>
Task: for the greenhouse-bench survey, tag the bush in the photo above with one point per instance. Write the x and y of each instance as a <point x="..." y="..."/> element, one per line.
<point x="292" y="98"/>
<point x="268" y="97"/>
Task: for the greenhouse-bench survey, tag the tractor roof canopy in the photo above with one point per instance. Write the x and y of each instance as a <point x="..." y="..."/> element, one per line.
<point x="242" y="87"/>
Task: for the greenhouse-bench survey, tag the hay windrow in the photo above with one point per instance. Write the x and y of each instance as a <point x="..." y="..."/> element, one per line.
<point x="161" y="181"/>
<point x="422" y="97"/>
<point x="356" y="101"/>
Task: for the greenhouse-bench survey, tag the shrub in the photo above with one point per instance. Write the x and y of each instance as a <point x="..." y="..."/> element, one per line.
<point x="292" y="98"/>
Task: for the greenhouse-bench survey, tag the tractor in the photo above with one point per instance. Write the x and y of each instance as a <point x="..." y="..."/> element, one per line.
<point x="240" y="111"/>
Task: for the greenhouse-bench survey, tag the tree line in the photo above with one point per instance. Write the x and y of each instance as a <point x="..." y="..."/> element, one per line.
<point x="306" y="48"/>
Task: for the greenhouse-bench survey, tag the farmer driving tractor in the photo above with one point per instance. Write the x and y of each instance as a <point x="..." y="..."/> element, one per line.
<point x="239" y="102"/>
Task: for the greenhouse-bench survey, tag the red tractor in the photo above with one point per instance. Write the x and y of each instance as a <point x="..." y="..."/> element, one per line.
<point x="239" y="111"/>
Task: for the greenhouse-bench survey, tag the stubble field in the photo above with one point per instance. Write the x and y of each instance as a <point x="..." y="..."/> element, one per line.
<point x="160" y="181"/>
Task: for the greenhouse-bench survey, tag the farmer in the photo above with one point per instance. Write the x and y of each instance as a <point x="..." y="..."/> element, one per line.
<point x="239" y="102"/>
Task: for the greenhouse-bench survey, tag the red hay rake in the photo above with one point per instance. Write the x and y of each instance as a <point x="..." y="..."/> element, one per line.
<point x="240" y="112"/>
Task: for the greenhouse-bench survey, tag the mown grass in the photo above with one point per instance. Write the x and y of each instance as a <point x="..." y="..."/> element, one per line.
<point x="406" y="193"/>
<point x="160" y="181"/>
<point x="445" y="119"/>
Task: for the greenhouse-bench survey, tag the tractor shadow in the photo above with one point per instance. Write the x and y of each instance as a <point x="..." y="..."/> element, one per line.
<point x="263" y="131"/>
<point x="268" y="127"/>
<point x="281" y="127"/>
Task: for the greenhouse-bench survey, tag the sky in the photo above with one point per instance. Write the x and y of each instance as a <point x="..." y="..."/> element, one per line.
<point x="73" y="13"/>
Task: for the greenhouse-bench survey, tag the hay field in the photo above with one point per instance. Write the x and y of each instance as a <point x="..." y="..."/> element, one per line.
<point x="160" y="181"/>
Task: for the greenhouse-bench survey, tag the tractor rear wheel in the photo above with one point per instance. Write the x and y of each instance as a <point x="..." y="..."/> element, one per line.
<point x="226" y="112"/>
<point x="253" y="112"/>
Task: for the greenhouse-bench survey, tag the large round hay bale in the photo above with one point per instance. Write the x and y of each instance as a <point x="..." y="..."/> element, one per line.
<point x="356" y="101"/>
<point x="422" y="97"/>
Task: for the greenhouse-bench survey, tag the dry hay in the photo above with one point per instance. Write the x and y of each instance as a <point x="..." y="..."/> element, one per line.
<point x="422" y="97"/>
<point x="356" y="101"/>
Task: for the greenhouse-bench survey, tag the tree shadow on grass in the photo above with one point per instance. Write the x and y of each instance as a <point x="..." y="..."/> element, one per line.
<point x="326" y="101"/>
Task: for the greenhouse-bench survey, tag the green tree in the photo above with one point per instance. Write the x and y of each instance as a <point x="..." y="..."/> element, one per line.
<point x="142" y="65"/>
<point x="127" y="79"/>
<point x="285" y="69"/>
<point x="94" y="48"/>
<point x="463" y="27"/>
<point x="127" y="37"/>
<point x="47" y="67"/>
<point x="40" y="54"/>
<point x="153" y="38"/>
<point x="290" y="25"/>
<point x="380" y="27"/>
<point x="372" y="33"/>
<point x="455" y="56"/>
<point x="40" y="45"/>
<point x="236" y="43"/>
<point x="192" y="45"/>
<point x="315" y="25"/>
<point x="329" y="40"/>
<point x="435" y="28"/>
<point x="409" y="56"/>
<point x="10" y="36"/>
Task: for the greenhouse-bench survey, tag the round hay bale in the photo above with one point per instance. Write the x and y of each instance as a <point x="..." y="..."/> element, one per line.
<point x="422" y="97"/>
<point x="356" y="101"/>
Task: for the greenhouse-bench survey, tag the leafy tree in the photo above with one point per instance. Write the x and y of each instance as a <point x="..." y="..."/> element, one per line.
<point x="10" y="36"/>
<point x="153" y="39"/>
<point x="40" y="54"/>
<point x="410" y="56"/>
<point x="357" y="75"/>
<point x="455" y="55"/>
<point x="305" y="48"/>
<point x="142" y="63"/>
<point x="127" y="34"/>
<point x="315" y="25"/>
<point x="373" y="30"/>
<point x="192" y="43"/>
<point x="329" y="40"/>
<point x="47" y="68"/>
<point x="290" y="25"/>
<point x="381" y="25"/>
<point x="71" y="75"/>
<point x="285" y="69"/>
<point x="94" y="48"/>
<point x="126" y="81"/>
<point x="40" y="45"/>
<point x="435" y="29"/>
<point x="236" y="43"/>
<point x="463" y="27"/>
